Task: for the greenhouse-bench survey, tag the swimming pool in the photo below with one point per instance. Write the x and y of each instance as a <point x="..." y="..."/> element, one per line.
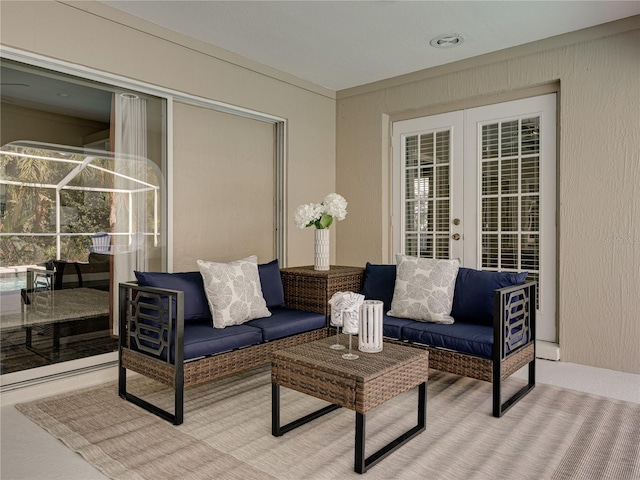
<point x="15" y="282"/>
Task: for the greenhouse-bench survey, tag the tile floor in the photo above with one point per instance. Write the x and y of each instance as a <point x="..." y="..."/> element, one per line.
<point x="29" y="453"/>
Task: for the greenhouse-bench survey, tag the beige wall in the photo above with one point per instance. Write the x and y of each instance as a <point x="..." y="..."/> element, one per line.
<point x="93" y="35"/>
<point x="599" y="172"/>
<point x="19" y="123"/>
<point x="229" y="187"/>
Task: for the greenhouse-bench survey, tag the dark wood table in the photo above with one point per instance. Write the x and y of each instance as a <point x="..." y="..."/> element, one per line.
<point x="359" y="385"/>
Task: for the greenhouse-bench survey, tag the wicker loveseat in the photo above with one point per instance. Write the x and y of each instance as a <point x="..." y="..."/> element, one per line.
<point x="166" y="333"/>
<point x="491" y="338"/>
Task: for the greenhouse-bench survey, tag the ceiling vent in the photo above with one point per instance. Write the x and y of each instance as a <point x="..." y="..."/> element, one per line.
<point x="448" y="40"/>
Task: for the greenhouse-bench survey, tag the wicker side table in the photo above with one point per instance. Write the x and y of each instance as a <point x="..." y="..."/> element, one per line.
<point x="310" y="290"/>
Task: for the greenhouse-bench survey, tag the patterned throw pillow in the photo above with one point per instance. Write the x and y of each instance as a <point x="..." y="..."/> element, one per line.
<point x="233" y="291"/>
<point x="424" y="289"/>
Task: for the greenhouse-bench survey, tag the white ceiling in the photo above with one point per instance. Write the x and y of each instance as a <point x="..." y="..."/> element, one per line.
<point x="333" y="44"/>
<point x="56" y="93"/>
<point x="342" y="44"/>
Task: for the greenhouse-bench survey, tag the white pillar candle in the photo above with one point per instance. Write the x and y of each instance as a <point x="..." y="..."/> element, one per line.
<point x="370" y="337"/>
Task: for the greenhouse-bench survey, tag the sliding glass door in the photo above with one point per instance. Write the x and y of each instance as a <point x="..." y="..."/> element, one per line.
<point x="83" y="192"/>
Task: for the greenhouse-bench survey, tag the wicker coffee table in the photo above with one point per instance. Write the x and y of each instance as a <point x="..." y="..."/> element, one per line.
<point x="358" y="385"/>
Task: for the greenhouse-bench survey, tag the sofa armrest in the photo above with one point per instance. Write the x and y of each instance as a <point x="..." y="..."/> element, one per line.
<point x="151" y="322"/>
<point x="514" y="317"/>
<point x="514" y="340"/>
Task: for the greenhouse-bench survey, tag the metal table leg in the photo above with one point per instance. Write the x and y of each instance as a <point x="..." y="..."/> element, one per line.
<point x="362" y="464"/>
<point x="276" y="429"/>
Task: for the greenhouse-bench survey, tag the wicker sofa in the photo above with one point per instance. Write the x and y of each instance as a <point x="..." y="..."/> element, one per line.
<point x="491" y="343"/>
<point x="166" y="333"/>
<point x="493" y="335"/>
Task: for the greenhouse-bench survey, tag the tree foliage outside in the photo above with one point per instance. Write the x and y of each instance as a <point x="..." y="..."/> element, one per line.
<point x="29" y="209"/>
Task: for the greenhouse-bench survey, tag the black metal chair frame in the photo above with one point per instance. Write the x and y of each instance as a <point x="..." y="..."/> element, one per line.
<point x="514" y="329"/>
<point x="165" y="308"/>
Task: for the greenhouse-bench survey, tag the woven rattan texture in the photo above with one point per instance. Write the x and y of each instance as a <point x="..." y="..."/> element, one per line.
<point x="216" y="366"/>
<point x="310" y="290"/>
<point x="149" y="367"/>
<point x="361" y="384"/>
<point x="516" y="361"/>
<point x="470" y="365"/>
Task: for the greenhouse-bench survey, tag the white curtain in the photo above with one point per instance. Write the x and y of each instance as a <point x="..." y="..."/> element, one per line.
<point x="129" y="216"/>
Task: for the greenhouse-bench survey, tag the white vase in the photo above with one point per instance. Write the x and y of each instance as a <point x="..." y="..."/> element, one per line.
<point x="321" y="255"/>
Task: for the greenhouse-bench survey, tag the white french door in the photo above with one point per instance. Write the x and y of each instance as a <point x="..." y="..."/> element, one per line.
<point x="480" y="185"/>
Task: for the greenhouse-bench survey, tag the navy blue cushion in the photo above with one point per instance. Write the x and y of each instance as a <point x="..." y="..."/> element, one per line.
<point x="392" y="326"/>
<point x="271" y="284"/>
<point x="473" y="297"/>
<point x="201" y="339"/>
<point x="379" y="283"/>
<point x="284" y="322"/>
<point x="195" y="300"/>
<point x="459" y="336"/>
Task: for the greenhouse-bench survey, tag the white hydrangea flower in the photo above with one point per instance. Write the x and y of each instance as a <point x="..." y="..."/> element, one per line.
<point x="305" y="215"/>
<point x="321" y="215"/>
<point x="335" y="205"/>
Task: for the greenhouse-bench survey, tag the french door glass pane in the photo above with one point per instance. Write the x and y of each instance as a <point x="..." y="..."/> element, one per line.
<point x="530" y="174"/>
<point x="510" y="196"/>
<point x="509" y="141"/>
<point x="490" y="214"/>
<point x="509" y="214"/>
<point x="490" y="251"/>
<point x="426" y="149"/>
<point x="530" y="248"/>
<point x="530" y="136"/>
<point x="411" y="184"/>
<point x="489" y="141"/>
<point x="442" y="147"/>
<point x="490" y="174"/>
<point x="509" y="176"/>
<point x="411" y="151"/>
<point x="411" y="244"/>
<point x="426" y="194"/>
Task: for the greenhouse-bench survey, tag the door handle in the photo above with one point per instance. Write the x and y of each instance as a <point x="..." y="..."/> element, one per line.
<point x="456" y="236"/>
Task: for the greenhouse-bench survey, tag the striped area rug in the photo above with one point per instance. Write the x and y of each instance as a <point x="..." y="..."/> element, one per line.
<point x="552" y="433"/>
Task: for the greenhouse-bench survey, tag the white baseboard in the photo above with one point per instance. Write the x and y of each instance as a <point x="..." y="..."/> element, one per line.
<point x="547" y="350"/>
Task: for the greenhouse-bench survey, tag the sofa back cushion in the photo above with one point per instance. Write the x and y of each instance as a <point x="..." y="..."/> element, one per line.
<point x="233" y="290"/>
<point x="379" y="283"/>
<point x="271" y="283"/>
<point x="424" y="289"/>
<point x="195" y="301"/>
<point x="473" y="296"/>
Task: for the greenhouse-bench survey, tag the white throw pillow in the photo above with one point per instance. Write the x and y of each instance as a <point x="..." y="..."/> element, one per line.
<point x="424" y="289"/>
<point x="233" y="291"/>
